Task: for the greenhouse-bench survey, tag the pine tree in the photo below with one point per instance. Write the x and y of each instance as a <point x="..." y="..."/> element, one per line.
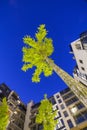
<point x="46" y="115"/>
<point x="37" y="52"/>
<point x="4" y="116"/>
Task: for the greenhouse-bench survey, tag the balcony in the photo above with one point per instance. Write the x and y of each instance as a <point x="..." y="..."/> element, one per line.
<point x="71" y="101"/>
<point x="65" y="91"/>
<point x="13" y="101"/>
<point x="81" y="117"/>
<point x="32" y="124"/>
<point x="33" y="116"/>
<point x="68" y="96"/>
<point x="21" y="108"/>
<point x="75" y="111"/>
<point x="14" y="126"/>
<point x="17" y="116"/>
<point x="81" y="126"/>
<point x="77" y="73"/>
<point x="83" y="39"/>
<point x="11" y="107"/>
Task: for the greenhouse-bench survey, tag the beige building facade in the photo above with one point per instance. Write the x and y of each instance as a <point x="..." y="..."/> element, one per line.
<point x="71" y="113"/>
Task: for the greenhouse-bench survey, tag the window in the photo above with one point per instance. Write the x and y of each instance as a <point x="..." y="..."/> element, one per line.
<point x="81" y="61"/>
<point x="40" y="127"/>
<point x="65" y="113"/>
<point x="62" y="106"/>
<point x="57" y="96"/>
<point x="59" y="114"/>
<point x="0" y="91"/>
<point x="79" y="118"/>
<point x="53" y="101"/>
<point x="70" y="123"/>
<point x="85" y="115"/>
<point x="80" y="106"/>
<point x="60" y="124"/>
<point x="82" y="68"/>
<point x="55" y="108"/>
<point x="10" y="104"/>
<point x="59" y="100"/>
<point x="78" y="46"/>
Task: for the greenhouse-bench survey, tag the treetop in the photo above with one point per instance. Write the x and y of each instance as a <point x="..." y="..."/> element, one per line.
<point x="35" y="52"/>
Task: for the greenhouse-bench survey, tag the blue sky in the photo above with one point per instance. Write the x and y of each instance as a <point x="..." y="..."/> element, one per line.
<point x="64" y="19"/>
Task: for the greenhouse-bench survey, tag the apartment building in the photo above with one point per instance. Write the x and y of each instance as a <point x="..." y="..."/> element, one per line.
<point x="17" y="108"/>
<point x="79" y="50"/>
<point x="71" y="113"/>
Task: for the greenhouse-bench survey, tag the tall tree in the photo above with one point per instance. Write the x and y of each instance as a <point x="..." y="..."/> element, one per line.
<point x="4" y="114"/>
<point x="37" y="52"/>
<point x="46" y="115"/>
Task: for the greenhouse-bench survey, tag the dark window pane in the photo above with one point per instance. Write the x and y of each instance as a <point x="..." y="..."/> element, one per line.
<point x="53" y="101"/>
<point x="70" y="123"/>
<point x="65" y="91"/>
<point x="62" y="106"/>
<point x="57" y="96"/>
<point x="40" y="127"/>
<point x="62" y="122"/>
<point x="81" y="61"/>
<point x="65" y="113"/>
<point x="82" y="68"/>
<point x="56" y="107"/>
<point x="78" y="46"/>
<point x="80" y="106"/>
<point x="59" y="114"/>
<point x="79" y="118"/>
<point x="59" y="100"/>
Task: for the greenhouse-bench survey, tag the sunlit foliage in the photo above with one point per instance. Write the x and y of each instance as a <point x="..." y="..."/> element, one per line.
<point x="4" y="115"/>
<point x="35" y="52"/>
<point x="46" y="115"/>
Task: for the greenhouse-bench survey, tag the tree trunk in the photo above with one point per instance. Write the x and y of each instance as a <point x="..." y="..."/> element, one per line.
<point x="78" y="89"/>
